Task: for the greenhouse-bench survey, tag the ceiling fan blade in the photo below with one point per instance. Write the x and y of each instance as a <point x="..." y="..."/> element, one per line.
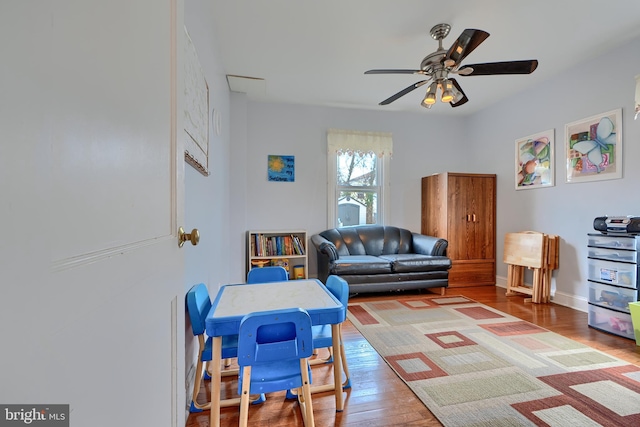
<point x="394" y="72"/>
<point x="508" y="67"/>
<point x="403" y="92"/>
<point x="464" y="45"/>
<point x="462" y="100"/>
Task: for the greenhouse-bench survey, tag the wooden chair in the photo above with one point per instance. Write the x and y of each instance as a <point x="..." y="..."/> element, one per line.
<point x="273" y="351"/>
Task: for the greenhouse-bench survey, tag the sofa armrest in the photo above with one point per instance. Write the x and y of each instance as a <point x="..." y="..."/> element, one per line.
<point x="429" y="245"/>
<point x="325" y="247"/>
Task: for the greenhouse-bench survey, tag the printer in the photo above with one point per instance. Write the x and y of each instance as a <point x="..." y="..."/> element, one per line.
<point x="629" y="224"/>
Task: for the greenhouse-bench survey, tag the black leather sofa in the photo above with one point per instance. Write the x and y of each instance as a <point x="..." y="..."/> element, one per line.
<point x="375" y="258"/>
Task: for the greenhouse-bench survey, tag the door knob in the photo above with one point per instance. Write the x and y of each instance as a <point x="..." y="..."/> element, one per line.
<point x="193" y="237"/>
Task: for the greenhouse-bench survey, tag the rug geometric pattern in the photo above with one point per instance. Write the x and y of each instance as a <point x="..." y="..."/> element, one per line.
<point x="474" y="366"/>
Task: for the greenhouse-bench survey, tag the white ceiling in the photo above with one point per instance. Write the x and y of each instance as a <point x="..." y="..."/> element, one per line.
<point x="316" y="52"/>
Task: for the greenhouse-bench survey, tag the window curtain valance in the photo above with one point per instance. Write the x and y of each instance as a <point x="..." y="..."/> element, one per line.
<point x="347" y="141"/>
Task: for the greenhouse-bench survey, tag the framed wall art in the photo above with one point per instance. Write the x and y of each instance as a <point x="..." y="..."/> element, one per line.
<point x="594" y="147"/>
<point x="281" y="168"/>
<point x="535" y="160"/>
<point x="196" y="112"/>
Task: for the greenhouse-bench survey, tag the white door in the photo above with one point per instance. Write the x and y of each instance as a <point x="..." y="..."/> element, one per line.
<point x="91" y="177"/>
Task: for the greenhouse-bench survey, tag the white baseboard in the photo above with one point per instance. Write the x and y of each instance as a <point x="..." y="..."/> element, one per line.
<point x="560" y="298"/>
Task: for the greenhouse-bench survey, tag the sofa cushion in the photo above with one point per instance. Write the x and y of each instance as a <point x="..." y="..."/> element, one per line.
<point x="360" y="264"/>
<point x="414" y="276"/>
<point x="402" y="263"/>
<point x="369" y="240"/>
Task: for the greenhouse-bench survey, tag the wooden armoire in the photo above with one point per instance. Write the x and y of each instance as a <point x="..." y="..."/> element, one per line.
<point x="461" y="208"/>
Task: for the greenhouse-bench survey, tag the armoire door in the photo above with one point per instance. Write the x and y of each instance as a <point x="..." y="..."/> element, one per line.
<point x="474" y="204"/>
<point x="460" y="208"/>
<point x="472" y="229"/>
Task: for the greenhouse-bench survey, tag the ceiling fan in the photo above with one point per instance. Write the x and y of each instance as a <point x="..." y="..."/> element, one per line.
<point x="438" y="65"/>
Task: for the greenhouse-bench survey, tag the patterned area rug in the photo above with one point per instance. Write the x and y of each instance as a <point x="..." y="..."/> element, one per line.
<point x="473" y="365"/>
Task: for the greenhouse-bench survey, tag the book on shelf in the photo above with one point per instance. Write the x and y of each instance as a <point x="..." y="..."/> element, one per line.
<point x="299" y="247"/>
<point x="276" y="245"/>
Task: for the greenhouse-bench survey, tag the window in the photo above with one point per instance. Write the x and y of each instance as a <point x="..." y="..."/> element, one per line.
<point x="358" y="186"/>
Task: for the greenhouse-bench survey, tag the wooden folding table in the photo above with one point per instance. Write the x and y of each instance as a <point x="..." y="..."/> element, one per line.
<point x="536" y="251"/>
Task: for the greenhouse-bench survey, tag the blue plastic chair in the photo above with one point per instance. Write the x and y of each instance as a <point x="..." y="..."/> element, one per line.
<point x="322" y="337"/>
<point x="273" y="351"/>
<point x="267" y="274"/>
<point x="198" y="306"/>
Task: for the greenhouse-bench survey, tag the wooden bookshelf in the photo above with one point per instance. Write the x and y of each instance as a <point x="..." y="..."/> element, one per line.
<point x="282" y="247"/>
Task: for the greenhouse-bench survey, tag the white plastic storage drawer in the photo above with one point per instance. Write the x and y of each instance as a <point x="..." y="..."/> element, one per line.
<point x="608" y="296"/>
<point x="611" y="321"/>
<point x="613" y="241"/>
<point x="612" y="273"/>
<point x="613" y="254"/>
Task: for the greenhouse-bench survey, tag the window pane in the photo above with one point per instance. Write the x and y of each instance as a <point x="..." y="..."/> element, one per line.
<point x="357" y="208"/>
<point x="357" y="169"/>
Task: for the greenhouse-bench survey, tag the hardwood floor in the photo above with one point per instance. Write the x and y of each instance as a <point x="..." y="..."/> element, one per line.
<point x="378" y="398"/>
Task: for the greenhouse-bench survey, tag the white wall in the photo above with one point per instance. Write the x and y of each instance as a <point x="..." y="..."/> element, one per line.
<point x="239" y="178"/>
<point x="207" y="197"/>
<point x="566" y="209"/>
<point x="422" y="145"/>
<point x="427" y="143"/>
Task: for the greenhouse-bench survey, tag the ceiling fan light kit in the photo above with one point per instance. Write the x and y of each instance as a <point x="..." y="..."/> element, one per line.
<point x="439" y="64"/>
<point x="447" y="91"/>
<point x="430" y="96"/>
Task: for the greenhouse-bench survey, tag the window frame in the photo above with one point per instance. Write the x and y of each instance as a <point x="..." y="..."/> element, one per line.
<point x="334" y="189"/>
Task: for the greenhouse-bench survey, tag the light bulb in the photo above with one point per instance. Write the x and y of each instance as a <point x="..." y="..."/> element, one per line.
<point x="447" y="91"/>
<point x="430" y="97"/>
